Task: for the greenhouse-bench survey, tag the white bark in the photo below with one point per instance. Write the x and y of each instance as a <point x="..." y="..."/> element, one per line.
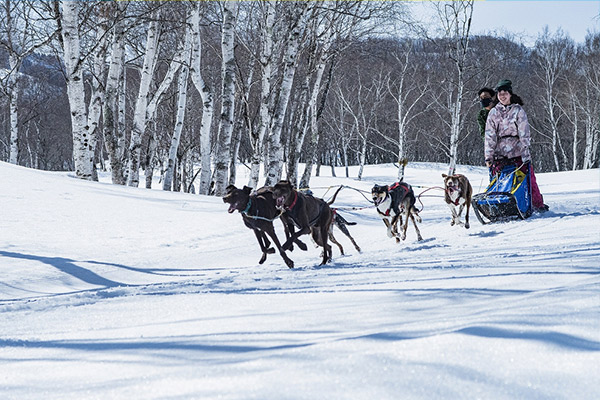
<point x="139" y="119"/>
<point x="83" y="152"/>
<point x="275" y="155"/>
<point x="14" y="109"/>
<point x="312" y="107"/>
<point x="456" y="20"/>
<point x="222" y="155"/>
<point x="22" y="35"/>
<point x="266" y="62"/>
<point x="182" y="86"/>
<point x="113" y="134"/>
<point x="207" y="102"/>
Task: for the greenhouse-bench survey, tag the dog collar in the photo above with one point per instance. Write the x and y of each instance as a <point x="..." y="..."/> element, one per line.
<point x="293" y="202"/>
<point x="247" y="206"/>
<point x="455" y="202"/>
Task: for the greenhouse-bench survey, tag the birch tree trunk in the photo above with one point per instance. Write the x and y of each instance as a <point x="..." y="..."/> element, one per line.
<point x="139" y="118"/>
<point x="113" y="135"/>
<point x="228" y="98"/>
<point x="83" y="151"/>
<point x="456" y="20"/>
<point x="266" y="61"/>
<point x="312" y="106"/>
<point x="21" y="36"/>
<point x="275" y="154"/>
<point x="207" y="102"/>
<point x="13" y="88"/>
<point x="184" y="75"/>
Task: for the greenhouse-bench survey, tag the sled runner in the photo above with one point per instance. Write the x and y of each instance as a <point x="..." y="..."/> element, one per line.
<point x="507" y="196"/>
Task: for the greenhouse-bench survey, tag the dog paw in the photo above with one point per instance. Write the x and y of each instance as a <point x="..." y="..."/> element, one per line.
<point x="390" y="234"/>
<point x="403" y="237"/>
<point x="397" y="239"/>
<point x="419" y="238"/>
<point x="301" y="245"/>
<point x="452" y="223"/>
<point x="263" y="258"/>
<point x="290" y="264"/>
<point x="270" y="250"/>
<point x="467" y="225"/>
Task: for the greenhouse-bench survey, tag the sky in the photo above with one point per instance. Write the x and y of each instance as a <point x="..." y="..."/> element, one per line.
<point x="526" y="19"/>
<point x="113" y="292"/>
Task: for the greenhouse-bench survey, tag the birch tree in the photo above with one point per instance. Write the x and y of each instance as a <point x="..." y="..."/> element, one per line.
<point x="82" y="127"/>
<point x="591" y="75"/>
<point x="22" y="32"/>
<point x="266" y="63"/>
<point x="207" y="96"/>
<point x="455" y="18"/>
<point x="407" y="95"/>
<point x="552" y="55"/>
<point x="114" y="135"/>
<point x="181" y="105"/>
<point x="227" y="97"/>
<point x="296" y="25"/>
<point x="141" y="104"/>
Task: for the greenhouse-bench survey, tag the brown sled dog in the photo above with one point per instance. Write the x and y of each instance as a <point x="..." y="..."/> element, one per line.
<point x="310" y="214"/>
<point x="341" y="223"/>
<point x="458" y="193"/>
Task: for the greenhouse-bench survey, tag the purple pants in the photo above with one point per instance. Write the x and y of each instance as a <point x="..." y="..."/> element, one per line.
<point x="537" y="200"/>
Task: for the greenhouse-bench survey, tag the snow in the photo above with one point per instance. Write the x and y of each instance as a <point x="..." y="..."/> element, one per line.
<point x="110" y="292"/>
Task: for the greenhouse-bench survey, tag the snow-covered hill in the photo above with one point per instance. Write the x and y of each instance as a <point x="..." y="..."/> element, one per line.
<point x="114" y="292"/>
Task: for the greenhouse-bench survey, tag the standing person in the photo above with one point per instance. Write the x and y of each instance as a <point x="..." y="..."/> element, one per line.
<point x="488" y="101"/>
<point x="507" y="137"/>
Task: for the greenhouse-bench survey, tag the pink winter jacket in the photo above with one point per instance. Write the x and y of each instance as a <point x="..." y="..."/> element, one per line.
<point x="507" y="133"/>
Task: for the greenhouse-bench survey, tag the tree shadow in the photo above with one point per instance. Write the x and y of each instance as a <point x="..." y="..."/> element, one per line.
<point x="67" y="266"/>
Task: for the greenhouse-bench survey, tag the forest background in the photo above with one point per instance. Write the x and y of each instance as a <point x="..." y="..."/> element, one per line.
<point x="191" y="89"/>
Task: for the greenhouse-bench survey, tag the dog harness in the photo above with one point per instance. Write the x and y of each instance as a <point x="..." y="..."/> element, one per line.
<point x="449" y="190"/>
<point x="396" y="185"/>
<point x="293" y="202"/>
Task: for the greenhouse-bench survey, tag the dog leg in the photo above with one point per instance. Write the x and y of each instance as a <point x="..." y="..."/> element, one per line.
<point x="467" y="215"/>
<point x="288" y="261"/>
<point x="453" y="212"/>
<point x="345" y="231"/>
<point x="327" y="251"/>
<point x="260" y="236"/>
<point x="405" y="225"/>
<point x="388" y="226"/>
<point x="412" y="216"/>
<point x="332" y="238"/>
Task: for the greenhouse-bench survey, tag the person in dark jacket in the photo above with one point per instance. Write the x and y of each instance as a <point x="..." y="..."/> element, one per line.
<point x="487" y="98"/>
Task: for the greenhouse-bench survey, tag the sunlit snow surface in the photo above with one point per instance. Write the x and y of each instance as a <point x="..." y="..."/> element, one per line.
<point x="110" y="292"/>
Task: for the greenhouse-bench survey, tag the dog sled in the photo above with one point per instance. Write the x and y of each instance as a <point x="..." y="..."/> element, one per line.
<point x="508" y="196"/>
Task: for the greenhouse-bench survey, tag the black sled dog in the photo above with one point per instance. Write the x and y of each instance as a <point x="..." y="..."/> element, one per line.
<point x="258" y="212"/>
<point x="393" y="201"/>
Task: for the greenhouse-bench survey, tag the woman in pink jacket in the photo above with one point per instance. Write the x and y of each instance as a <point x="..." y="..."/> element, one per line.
<point x="507" y="137"/>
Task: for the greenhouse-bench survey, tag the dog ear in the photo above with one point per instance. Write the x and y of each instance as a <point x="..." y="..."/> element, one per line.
<point x="247" y="189"/>
<point x="230" y="188"/>
<point x="444" y="176"/>
<point x="385" y="188"/>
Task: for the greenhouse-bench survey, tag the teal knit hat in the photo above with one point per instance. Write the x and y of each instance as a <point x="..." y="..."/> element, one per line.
<point x="504" y="84"/>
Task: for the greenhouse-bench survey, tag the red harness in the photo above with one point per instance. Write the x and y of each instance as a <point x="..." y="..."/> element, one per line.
<point x="448" y="192"/>
<point x="395" y="185"/>
<point x="293" y="202"/>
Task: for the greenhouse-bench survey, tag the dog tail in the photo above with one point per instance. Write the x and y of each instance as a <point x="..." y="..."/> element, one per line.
<point x="330" y="202"/>
<point x="343" y="220"/>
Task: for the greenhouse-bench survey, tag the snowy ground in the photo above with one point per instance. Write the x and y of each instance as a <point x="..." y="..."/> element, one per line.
<point x="111" y="292"/>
